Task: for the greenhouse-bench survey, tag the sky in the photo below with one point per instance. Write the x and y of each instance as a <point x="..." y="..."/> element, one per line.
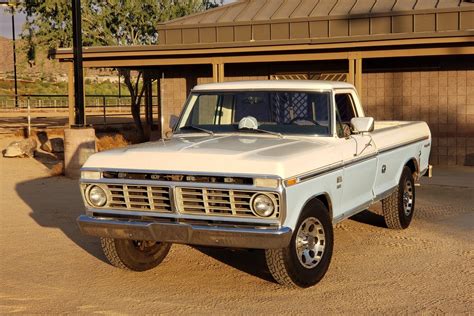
<point x="6" y="21"/>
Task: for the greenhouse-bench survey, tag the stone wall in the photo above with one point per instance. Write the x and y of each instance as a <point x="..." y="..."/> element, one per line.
<point x="444" y="99"/>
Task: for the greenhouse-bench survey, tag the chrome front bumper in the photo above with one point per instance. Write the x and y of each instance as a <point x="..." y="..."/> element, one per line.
<point x="186" y="234"/>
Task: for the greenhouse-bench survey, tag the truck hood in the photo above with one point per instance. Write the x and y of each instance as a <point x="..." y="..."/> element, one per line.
<point x="233" y="154"/>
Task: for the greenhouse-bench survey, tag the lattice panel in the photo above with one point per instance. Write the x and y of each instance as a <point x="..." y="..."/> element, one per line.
<point x="290" y="77"/>
<point x="287" y="106"/>
<point x="311" y="76"/>
<point x="332" y="77"/>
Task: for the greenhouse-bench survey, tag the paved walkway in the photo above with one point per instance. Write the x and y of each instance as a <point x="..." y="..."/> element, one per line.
<point x="453" y="176"/>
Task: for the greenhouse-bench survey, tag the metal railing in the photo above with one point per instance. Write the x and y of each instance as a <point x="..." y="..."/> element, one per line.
<point x="105" y="106"/>
<point x="57" y="101"/>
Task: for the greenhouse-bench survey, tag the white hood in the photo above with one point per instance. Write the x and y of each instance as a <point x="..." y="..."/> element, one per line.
<point x="233" y="154"/>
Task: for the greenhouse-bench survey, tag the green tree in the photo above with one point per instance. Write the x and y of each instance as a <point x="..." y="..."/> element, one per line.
<point x="106" y="22"/>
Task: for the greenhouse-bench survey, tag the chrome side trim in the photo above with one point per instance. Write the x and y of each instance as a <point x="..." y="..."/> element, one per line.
<point x="383" y="150"/>
<point x="236" y="237"/>
<point x="385" y="194"/>
<point x="319" y="172"/>
<point x="324" y="170"/>
<point x="360" y="159"/>
<point x="351" y="212"/>
<point x="330" y="168"/>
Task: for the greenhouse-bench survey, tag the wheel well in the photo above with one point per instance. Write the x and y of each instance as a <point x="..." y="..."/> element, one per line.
<point x="413" y="165"/>
<point x="323" y="198"/>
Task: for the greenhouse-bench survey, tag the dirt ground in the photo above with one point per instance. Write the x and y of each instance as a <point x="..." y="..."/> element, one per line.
<point x="48" y="267"/>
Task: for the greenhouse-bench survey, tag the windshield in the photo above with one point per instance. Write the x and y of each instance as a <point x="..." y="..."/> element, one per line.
<point x="290" y="112"/>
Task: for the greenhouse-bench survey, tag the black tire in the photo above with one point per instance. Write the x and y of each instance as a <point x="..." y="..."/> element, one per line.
<point x="285" y="265"/>
<point x="398" y="207"/>
<point x="134" y="255"/>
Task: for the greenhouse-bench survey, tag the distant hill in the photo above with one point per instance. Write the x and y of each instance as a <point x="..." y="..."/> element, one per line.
<point x="6" y="57"/>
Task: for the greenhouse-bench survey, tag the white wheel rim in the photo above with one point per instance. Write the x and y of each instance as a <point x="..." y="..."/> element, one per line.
<point x="407" y="198"/>
<point x="310" y="242"/>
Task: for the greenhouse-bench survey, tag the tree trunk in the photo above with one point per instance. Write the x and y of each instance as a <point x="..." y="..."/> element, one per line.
<point x="136" y="95"/>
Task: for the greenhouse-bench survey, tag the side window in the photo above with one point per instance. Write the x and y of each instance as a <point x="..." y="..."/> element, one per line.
<point x="345" y="106"/>
<point x="345" y="111"/>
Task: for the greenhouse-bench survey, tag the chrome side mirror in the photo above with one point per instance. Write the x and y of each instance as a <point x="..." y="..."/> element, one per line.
<point x="362" y="124"/>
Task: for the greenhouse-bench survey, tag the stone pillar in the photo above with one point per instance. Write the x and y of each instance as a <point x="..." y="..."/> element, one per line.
<point x="79" y="144"/>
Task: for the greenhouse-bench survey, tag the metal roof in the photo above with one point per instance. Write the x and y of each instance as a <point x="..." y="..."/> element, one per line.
<point x="263" y="10"/>
<point x="246" y="30"/>
<point x="256" y="22"/>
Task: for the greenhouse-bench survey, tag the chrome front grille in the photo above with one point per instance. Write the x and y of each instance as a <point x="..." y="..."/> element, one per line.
<point x="139" y="197"/>
<point x="220" y="202"/>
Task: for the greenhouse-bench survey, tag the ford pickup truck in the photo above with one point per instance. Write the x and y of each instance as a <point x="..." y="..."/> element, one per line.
<point x="267" y="165"/>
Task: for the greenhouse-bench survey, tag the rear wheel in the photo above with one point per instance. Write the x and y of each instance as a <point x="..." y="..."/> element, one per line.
<point x="306" y="259"/>
<point x="398" y="208"/>
<point x="136" y="255"/>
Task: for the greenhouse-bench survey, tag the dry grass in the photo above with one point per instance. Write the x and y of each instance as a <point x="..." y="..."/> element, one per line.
<point x="57" y="169"/>
<point x="107" y="142"/>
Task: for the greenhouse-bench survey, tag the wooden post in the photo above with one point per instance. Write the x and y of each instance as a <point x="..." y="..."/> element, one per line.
<point x="358" y="75"/>
<point x="351" y="75"/>
<point x="146" y="98"/>
<point x="159" y="107"/>
<point x="162" y="118"/>
<point x="70" y="92"/>
<point x="215" y="73"/>
<point x="221" y="72"/>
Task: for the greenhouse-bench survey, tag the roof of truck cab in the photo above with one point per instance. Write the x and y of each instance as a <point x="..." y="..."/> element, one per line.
<point x="275" y="85"/>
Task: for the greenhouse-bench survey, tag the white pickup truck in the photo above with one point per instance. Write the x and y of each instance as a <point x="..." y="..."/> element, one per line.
<point x="255" y="164"/>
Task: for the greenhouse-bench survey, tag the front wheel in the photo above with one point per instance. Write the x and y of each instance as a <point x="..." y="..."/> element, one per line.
<point x="136" y="255"/>
<point x="306" y="259"/>
<point x="399" y="206"/>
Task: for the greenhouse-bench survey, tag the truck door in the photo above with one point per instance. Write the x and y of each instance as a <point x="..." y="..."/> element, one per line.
<point x="358" y="154"/>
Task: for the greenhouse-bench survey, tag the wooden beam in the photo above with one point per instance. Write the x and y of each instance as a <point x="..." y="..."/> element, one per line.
<point x="272" y="46"/>
<point x="386" y="53"/>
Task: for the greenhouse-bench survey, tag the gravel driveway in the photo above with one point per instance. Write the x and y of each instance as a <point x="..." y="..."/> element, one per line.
<point x="47" y="266"/>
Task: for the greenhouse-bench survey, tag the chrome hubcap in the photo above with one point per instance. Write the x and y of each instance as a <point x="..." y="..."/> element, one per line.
<point x="407" y="198"/>
<point x="310" y="242"/>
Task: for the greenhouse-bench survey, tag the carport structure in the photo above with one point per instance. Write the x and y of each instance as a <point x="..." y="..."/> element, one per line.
<point x="410" y="59"/>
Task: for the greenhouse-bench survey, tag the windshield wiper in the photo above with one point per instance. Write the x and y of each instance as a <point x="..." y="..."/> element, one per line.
<point x="262" y="131"/>
<point x="198" y="128"/>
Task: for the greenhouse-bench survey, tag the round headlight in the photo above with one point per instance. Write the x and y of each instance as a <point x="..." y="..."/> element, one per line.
<point x="97" y="196"/>
<point x="263" y="205"/>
